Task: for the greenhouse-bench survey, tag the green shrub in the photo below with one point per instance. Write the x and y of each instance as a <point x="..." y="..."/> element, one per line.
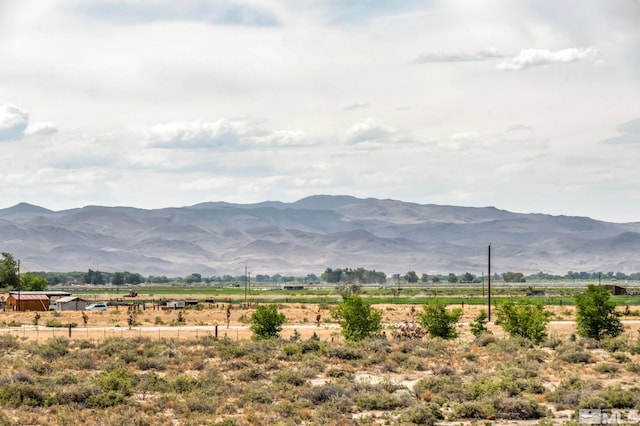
<point x="106" y="399"/>
<point x="8" y="341"/>
<point x="291" y="377"/>
<point x="266" y="322"/>
<point x="450" y="388"/>
<point x="119" y="380"/>
<point x="325" y="393"/>
<point x="573" y="352"/>
<point x="53" y="348"/>
<point x="437" y="321"/>
<point x="524" y="319"/>
<point x="423" y="414"/>
<point x="357" y="318"/>
<point x="251" y="374"/>
<point x="474" y="410"/>
<point x="478" y="325"/>
<point x="21" y="393"/>
<point x="607" y="368"/>
<point x="517" y="408"/>
<point x="596" y="315"/>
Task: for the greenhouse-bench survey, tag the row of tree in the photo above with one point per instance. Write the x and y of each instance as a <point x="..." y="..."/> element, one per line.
<point x="596" y="317"/>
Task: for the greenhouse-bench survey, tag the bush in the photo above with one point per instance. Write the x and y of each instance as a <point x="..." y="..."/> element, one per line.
<point x="449" y="387"/>
<point x="21" y="393"/>
<point x="119" y="380"/>
<point x="53" y="348"/>
<point x="266" y="322"/>
<point x="574" y="353"/>
<point x="357" y="318"/>
<point x="516" y="408"/>
<point x="596" y="315"/>
<point x="437" y="321"/>
<point x="423" y="414"/>
<point x="523" y="319"/>
<point x="325" y="393"/>
<point x="478" y="325"/>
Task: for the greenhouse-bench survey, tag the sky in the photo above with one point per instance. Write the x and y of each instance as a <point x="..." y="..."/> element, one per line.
<point x="529" y="106"/>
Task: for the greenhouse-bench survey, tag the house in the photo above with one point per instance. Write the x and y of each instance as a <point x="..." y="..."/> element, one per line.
<point x="27" y="302"/>
<point x="175" y="304"/>
<point x="615" y="290"/>
<point x="69" y="303"/>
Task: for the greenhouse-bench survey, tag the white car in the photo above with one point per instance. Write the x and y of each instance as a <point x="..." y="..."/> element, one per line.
<point x="97" y="307"/>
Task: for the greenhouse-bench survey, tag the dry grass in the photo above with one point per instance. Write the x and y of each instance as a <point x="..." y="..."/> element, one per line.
<point x="177" y="375"/>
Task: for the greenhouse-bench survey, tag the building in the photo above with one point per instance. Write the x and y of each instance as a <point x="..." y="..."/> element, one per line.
<point x="69" y="303"/>
<point x="615" y="290"/>
<point x="27" y="302"/>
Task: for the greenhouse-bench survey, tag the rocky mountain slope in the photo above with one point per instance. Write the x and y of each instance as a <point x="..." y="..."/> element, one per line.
<point x="310" y="235"/>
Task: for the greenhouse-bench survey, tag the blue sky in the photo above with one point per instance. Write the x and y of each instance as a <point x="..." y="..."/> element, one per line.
<point x="530" y="106"/>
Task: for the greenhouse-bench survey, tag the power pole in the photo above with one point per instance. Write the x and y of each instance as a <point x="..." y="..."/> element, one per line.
<point x="489" y="283"/>
<point x="245" y="283"/>
<point x="19" y="285"/>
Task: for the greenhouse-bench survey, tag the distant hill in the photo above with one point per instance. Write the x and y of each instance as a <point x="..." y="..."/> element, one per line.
<point x="311" y="234"/>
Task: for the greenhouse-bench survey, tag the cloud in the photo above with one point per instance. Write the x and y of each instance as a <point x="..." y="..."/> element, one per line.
<point x="536" y="57"/>
<point x="199" y="134"/>
<point x="519" y="128"/>
<point x="367" y="131"/>
<point x="223" y="133"/>
<point x="457" y="56"/>
<point x="217" y="12"/>
<point x="41" y="129"/>
<point x="629" y="134"/>
<point x="13" y="122"/>
<point x="283" y="138"/>
<point x="356" y="106"/>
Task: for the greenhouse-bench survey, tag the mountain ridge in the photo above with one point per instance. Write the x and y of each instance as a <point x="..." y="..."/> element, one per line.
<point x="311" y="234"/>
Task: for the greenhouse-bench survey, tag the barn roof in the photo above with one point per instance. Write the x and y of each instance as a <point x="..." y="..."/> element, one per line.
<point x="68" y="299"/>
<point x="30" y="297"/>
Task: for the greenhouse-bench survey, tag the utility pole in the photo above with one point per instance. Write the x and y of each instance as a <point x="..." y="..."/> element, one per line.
<point x="19" y="285"/>
<point x="245" y="283"/>
<point x="489" y="283"/>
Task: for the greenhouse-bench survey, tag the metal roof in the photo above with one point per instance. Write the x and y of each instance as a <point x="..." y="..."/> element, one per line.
<point x="30" y="296"/>
<point x="68" y="299"/>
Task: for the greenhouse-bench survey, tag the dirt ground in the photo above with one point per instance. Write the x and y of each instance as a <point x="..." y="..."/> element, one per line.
<point x="212" y="318"/>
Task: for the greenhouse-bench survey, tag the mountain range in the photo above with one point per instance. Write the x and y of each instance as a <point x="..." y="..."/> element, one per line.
<point x="312" y="234"/>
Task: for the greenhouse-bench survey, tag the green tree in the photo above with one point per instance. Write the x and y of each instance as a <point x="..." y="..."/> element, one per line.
<point x="524" y="319"/>
<point x="8" y="271"/>
<point x="513" y="277"/>
<point x="411" y="277"/>
<point x="266" y="322"/>
<point x="30" y="281"/>
<point x="452" y="278"/>
<point x="467" y="278"/>
<point x="438" y="321"/>
<point x="424" y="277"/>
<point x="478" y="325"/>
<point x="357" y="318"/>
<point x="596" y="314"/>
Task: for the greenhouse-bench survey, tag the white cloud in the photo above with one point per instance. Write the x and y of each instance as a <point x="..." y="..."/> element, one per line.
<point x="284" y="138"/>
<point x="216" y="12"/>
<point x="41" y="129"/>
<point x="629" y="134"/>
<point x="368" y="131"/>
<point x="536" y="57"/>
<point x="458" y="56"/>
<point x="199" y="134"/>
<point x="13" y="122"/>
